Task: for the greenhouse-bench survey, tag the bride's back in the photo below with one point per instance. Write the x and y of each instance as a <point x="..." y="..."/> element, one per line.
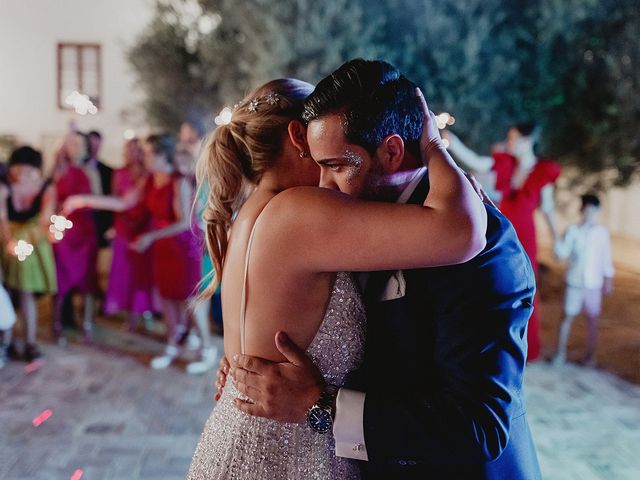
<point x="264" y="144"/>
<point x="279" y="296"/>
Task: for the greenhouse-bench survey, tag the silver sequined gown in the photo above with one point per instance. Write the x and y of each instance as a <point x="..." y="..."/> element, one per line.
<point x="234" y="445"/>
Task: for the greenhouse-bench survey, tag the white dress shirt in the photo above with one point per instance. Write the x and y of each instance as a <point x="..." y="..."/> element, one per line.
<point x="588" y="248"/>
<point x="91" y="170"/>
<point x="348" y="426"/>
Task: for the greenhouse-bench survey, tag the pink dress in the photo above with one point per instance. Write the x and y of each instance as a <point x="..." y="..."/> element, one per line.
<point x="77" y="252"/>
<point x="130" y="279"/>
<point x="519" y="205"/>
<point x="176" y="260"/>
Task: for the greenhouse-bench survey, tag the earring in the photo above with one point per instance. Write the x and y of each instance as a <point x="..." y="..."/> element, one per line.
<point x="304" y="154"/>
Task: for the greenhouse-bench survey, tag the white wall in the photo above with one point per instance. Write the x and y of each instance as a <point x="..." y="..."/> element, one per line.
<point x="29" y="33"/>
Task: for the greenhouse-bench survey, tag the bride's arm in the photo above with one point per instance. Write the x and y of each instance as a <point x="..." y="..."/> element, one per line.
<point x="466" y="156"/>
<point x="329" y="231"/>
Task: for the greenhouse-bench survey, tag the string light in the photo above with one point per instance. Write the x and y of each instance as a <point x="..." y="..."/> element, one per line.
<point x="43" y="417"/>
<point x="58" y="226"/>
<point x="23" y="250"/>
<point x="81" y="103"/>
<point x="33" y="366"/>
<point x="77" y="475"/>
<point x="445" y="119"/>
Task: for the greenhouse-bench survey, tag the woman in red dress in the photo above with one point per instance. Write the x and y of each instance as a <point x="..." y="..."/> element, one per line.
<point x="523" y="183"/>
<point x="76" y="253"/>
<point x="130" y="280"/>
<point x="176" y="250"/>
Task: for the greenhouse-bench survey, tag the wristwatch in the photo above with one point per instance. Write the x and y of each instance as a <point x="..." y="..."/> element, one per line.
<point x="320" y="415"/>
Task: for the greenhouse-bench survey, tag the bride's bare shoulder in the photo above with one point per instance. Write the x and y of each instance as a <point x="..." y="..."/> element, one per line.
<point x="293" y="213"/>
<point x="306" y="199"/>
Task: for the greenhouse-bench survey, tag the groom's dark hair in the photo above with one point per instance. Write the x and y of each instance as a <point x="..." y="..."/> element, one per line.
<point x="376" y="101"/>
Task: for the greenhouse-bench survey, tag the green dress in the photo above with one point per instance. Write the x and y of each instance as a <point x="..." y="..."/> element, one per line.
<point x="37" y="272"/>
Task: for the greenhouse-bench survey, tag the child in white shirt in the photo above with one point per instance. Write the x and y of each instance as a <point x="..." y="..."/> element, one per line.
<point x="589" y="273"/>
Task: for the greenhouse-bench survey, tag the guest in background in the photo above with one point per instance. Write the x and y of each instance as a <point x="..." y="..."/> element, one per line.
<point x="100" y="177"/>
<point x="7" y="321"/>
<point x="130" y="280"/>
<point x="176" y="252"/>
<point x="77" y="252"/>
<point x="3" y="173"/>
<point x="188" y="150"/>
<point x="590" y="272"/>
<point x="524" y="183"/>
<point x="26" y="205"/>
<point x="189" y="147"/>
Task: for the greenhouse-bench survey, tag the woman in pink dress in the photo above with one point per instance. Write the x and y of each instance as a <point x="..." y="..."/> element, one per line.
<point x="523" y="183"/>
<point x="130" y="280"/>
<point x="176" y="251"/>
<point x="76" y="253"/>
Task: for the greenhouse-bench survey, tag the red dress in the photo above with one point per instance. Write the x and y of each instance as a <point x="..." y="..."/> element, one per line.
<point x="76" y="254"/>
<point x="519" y="205"/>
<point x="130" y="280"/>
<point x="176" y="259"/>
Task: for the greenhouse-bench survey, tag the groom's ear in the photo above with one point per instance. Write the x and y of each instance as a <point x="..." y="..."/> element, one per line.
<point x="298" y="135"/>
<point x="390" y="153"/>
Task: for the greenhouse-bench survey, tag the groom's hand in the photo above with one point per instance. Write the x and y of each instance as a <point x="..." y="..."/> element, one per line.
<point x="221" y="377"/>
<point x="282" y="391"/>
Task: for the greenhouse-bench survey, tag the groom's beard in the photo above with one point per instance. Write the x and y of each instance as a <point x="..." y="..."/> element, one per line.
<point x="383" y="188"/>
<point x="372" y="187"/>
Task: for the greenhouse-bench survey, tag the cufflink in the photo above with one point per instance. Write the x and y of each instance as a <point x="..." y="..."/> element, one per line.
<point x="358" y="447"/>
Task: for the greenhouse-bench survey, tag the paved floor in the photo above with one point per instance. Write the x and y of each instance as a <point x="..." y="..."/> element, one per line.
<point x="113" y="418"/>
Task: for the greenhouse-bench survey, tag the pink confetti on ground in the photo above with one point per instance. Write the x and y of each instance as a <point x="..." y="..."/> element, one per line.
<point x="77" y="475"/>
<point x="42" y="418"/>
<point x="33" y="366"/>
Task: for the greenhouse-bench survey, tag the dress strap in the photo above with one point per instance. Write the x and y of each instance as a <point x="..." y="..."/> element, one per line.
<point x="243" y="301"/>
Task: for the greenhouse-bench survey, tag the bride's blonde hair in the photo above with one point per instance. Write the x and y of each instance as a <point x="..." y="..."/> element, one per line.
<point x="238" y="154"/>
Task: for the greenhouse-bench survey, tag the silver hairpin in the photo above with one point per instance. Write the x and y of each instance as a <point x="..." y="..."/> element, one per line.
<point x="253" y="105"/>
<point x="273" y="98"/>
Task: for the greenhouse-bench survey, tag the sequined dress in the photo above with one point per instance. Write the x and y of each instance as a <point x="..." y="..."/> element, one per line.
<point x="235" y="445"/>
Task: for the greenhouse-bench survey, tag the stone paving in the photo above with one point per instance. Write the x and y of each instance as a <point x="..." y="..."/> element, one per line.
<point x="114" y="418"/>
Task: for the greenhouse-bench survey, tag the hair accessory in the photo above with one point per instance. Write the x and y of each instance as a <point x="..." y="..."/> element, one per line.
<point x="253" y="105"/>
<point x="273" y="98"/>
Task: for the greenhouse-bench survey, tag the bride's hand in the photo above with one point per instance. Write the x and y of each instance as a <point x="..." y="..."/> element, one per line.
<point x="430" y="138"/>
<point x="281" y="391"/>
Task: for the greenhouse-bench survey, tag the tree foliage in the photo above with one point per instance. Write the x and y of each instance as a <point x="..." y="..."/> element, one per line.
<point x="571" y="65"/>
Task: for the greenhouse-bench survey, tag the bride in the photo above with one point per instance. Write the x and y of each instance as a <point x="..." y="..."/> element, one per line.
<point x="276" y="261"/>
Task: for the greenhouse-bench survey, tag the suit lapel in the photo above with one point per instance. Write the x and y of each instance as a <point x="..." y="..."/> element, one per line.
<point x="378" y="280"/>
<point x="421" y="191"/>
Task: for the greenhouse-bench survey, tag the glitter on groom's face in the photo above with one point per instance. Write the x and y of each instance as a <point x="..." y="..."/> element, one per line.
<point x="344" y="166"/>
<point x="354" y="164"/>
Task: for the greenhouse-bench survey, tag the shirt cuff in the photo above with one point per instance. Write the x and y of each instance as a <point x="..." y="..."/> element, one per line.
<point x="348" y="426"/>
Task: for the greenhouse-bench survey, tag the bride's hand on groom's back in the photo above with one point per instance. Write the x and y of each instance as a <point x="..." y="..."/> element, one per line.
<point x="282" y="391"/>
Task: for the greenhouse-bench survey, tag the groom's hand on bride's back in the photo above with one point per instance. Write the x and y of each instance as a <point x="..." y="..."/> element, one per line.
<point x="282" y="391"/>
<point x="221" y="377"/>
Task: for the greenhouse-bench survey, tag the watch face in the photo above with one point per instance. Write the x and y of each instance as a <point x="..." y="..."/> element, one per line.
<point x="319" y="420"/>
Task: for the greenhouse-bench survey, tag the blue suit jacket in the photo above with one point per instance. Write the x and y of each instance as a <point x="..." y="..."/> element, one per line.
<point x="444" y="367"/>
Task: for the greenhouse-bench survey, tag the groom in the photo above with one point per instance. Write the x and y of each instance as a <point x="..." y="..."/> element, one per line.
<point x="440" y="392"/>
